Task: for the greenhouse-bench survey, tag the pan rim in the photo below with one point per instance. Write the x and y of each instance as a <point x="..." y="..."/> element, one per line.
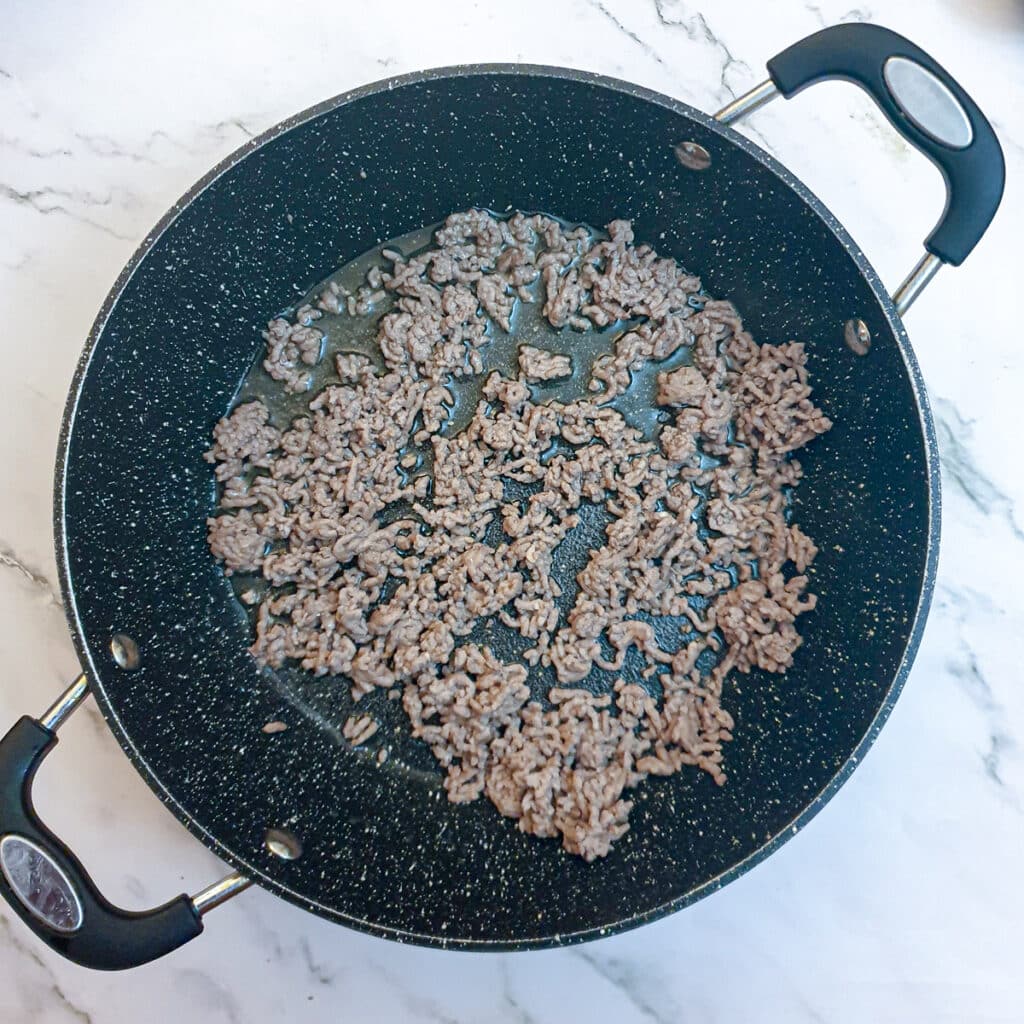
<point x="809" y="811"/>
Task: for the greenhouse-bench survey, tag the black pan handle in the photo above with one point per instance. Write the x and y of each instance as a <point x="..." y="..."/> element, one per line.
<point x="46" y="884"/>
<point x="925" y="104"/>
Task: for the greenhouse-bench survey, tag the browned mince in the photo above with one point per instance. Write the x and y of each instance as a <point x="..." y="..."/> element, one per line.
<point x="536" y="364"/>
<point x="371" y="521"/>
<point x="358" y="729"/>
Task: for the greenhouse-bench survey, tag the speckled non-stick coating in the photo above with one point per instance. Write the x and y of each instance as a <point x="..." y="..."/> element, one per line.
<point x="384" y="851"/>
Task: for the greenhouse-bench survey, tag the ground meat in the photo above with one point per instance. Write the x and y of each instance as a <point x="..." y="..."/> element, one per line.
<point x="537" y="365"/>
<point x="358" y="729"/>
<point x="237" y="541"/>
<point x="288" y="344"/>
<point x="243" y="437"/>
<point x="685" y="386"/>
<point x="385" y="537"/>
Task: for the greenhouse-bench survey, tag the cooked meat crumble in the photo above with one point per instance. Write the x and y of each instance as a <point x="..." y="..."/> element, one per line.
<point x="386" y="536"/>
<point x="537" y="365"/>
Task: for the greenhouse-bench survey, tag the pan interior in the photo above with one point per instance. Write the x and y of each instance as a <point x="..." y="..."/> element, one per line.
<point x="166" y="362"/>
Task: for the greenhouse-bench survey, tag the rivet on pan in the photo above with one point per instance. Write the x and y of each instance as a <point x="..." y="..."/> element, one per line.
<point x="857" y="337"/>
<point x="125" y="651"/>
<point x="281" y="843"/>
<point x="693" y="156"/>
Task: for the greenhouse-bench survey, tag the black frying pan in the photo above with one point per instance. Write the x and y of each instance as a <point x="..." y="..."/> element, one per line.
<point x="163" y="642"/>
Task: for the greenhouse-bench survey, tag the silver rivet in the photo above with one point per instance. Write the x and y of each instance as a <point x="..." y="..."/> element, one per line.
<point x="125" y="651"/>
<point x="693" y="156"/>
<point x="857" y="337"/>
<point x="281" y="843"/>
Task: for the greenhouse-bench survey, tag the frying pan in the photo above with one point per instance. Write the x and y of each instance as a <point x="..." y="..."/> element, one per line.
<point x="163" y="643"/>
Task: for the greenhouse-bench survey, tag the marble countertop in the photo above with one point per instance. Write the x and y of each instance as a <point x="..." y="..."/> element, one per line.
<point x="903" y="900"/>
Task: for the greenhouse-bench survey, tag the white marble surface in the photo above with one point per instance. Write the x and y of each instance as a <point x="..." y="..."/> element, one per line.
<point x="904" y="900"/>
